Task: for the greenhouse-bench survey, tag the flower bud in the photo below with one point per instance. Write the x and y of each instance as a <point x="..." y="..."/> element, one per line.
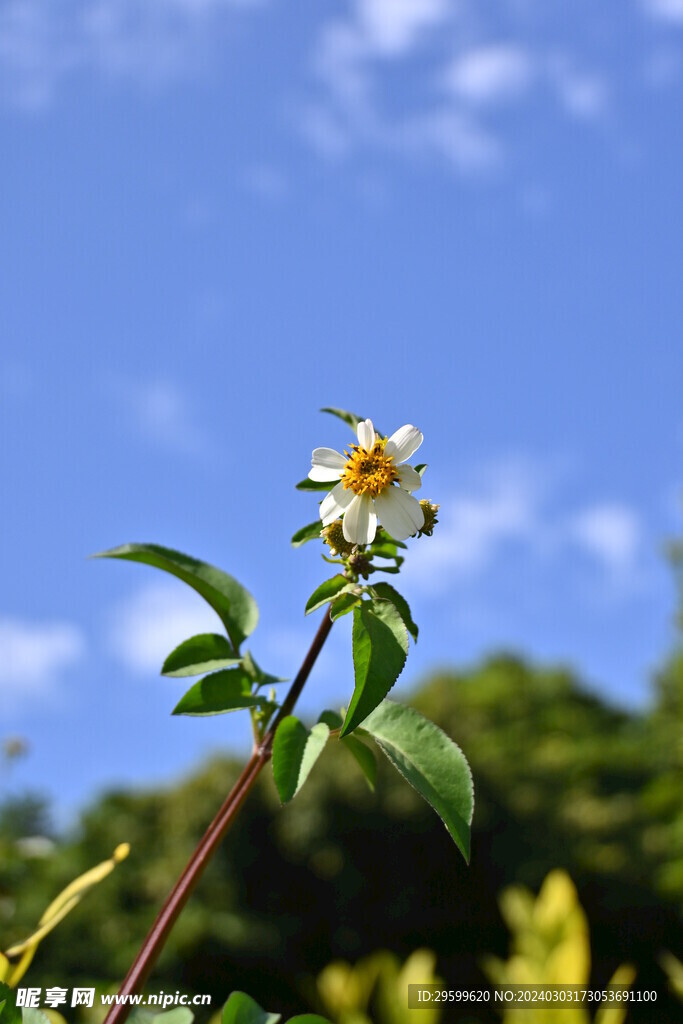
<point x="360" y="564"/>
<point x="431" y="520"/>
<point x="333" y="535"/>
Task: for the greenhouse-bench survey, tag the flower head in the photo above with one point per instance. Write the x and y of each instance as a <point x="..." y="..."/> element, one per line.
<point x="431" y="517"/>
<point x="374" y="483"/>
<point x="333" y="536"/>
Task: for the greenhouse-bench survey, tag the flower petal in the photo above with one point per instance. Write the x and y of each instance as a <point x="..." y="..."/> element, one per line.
<point x="366" y="434"/>
<point x="360" y="521"/>
<point x="408" y="478"/>
<point x="403" y="443"/>
<point x="399" y="513"/>
<point x="327" y="464"/>
<point x="333" y="506"/>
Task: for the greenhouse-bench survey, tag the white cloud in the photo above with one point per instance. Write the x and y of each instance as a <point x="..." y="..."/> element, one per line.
<point x="373" y="30"/>
<point x="583" y="94"/>
<point x="491" y="74"/>
<point x="34" y="657"/>
<point x="162" y="413"/>
<point x="611" y="533"/>
<point x="424" y="79"/>
<point x="475" y="525"/>
<point x="146" y="627"/>
<point x="669" y="10"/>
<point x="392" y="27"/>
<point x="43" y="43"/>
<point x="514" y="504"/>
<point x="456" y="135"/>
<point x="350" y="58"/>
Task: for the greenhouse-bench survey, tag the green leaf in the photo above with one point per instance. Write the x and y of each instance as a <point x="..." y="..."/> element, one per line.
<point x="9" y="1011"/>
<point x="31" y="1015"/>
<point x="229" y="690"/>
<point x="308" y="1018"/>
<point x="431" y="762"/>
<point x="421" y="468"/>
<point x="205" y="652"/>
<point x="386" y="591"/>
<point x="380" y="648"/>
<point x="326" y="591"/>
<point x="178" y="1015"/>
<point x="348" y="417"/>
<point x="233" y="604"/>
<point x="295" y="751"/>
<point x="386" y="549"/>
<point x="382" y="537"/>
<point x="257" y="673"/>
<point x="332" y="719"/>
<point x="242" y="1009"/>
<point x="343" y="604"/>
<point x="316" y="485"/>
<point x="306" y="533"/>
<point x="364" y="758"/>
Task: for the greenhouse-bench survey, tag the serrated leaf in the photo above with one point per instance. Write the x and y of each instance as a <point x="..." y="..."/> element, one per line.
<point x="327" y="591"/>
<point x="233" y="604"/>
<point x="380" y="648"/>
<point x="205" y="652"/>
<point x="242" y="1009"/>
<point x="316" y="485"/>
<point x="431" y="762"/>
<point x="349" y="418"/>
<point x="364" y="758"/>
<point x="295" y="751"/>
<point x="306" y="533"/>
<point x="229" y="690"/>
<point x="343" y="604"/>
<point x="386" y="591"/>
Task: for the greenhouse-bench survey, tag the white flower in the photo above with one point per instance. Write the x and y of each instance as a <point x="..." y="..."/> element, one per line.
<point x="373" y="482"/>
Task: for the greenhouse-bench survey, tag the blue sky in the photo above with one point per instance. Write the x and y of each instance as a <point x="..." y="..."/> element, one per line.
<point x="217" y="216"/>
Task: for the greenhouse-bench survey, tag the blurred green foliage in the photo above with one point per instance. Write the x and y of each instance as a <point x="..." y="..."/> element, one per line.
<point x="375" y="990"/>
<point x="563" y="780"/>
<point x="550" y="946"/>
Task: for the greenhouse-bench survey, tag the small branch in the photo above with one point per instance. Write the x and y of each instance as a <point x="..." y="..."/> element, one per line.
<point x="179" y="895"/>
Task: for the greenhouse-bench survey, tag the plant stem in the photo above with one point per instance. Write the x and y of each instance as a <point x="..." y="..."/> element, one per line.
<point x="179" y="895"/>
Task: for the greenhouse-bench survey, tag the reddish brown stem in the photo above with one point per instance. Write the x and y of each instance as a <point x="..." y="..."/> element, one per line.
<point x="179" y="895"/>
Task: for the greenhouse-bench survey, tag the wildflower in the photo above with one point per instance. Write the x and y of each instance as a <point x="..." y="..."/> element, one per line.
<point x="374" y="482"/>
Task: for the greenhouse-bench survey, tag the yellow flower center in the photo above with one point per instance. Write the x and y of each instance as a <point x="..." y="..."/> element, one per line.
<point x="369" y="472"/>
